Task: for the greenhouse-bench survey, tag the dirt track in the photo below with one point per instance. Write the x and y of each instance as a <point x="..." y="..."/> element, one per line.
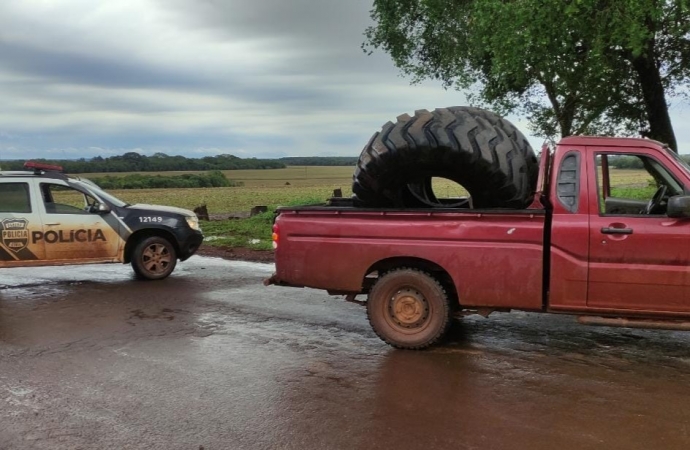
<point x="90" y="358"/>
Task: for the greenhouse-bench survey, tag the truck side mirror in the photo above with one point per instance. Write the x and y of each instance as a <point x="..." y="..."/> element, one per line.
<point x="678" y="206"/>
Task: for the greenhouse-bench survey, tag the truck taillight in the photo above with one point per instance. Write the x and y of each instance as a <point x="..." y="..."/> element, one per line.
<point x="274" y="236"/>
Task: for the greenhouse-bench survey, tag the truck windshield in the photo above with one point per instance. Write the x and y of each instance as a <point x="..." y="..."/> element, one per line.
<point x="680" y="160"/>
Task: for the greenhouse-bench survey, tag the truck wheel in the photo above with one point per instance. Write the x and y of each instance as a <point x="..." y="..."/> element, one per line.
<point x="154" y="258"/>
<point x="454" y="143"/>
<point x="409" y="309"/>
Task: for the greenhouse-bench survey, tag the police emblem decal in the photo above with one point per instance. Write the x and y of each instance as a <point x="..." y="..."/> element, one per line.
<point x="15" y="234"/>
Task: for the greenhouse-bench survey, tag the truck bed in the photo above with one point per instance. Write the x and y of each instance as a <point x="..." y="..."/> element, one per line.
<point x="493" y="258"/>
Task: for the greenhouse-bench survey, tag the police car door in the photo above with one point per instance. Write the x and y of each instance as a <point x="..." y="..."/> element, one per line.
<point x="19" y="219"/>
<point x="71" y="231"/>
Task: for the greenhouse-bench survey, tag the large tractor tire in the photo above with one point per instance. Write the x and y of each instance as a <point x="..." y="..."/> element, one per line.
<point x="421" y="193"/>
<point x="460" y="144"/>
<point x="511" y="130"/>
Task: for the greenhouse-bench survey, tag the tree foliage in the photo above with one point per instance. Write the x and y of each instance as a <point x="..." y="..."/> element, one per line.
<point x="570" y="66"/>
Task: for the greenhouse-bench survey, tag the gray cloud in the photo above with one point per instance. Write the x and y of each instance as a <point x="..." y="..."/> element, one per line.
<point x="327" y="24"/>
<point x="189" y="76"/>
<point x="54" y="65"/>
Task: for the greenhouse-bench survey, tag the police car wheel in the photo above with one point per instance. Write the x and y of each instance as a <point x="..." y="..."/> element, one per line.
<point x="154" y="258"/>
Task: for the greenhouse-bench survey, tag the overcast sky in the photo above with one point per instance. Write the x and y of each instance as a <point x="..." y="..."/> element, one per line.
<point x="263" y="78"/>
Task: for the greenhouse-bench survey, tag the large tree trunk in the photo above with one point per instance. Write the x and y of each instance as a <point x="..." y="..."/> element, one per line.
<point x="660" y="127"/>
<point x="565" y="113"/>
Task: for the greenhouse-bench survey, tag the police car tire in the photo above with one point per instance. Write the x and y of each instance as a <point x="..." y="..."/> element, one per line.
<point x="139" y="258"/>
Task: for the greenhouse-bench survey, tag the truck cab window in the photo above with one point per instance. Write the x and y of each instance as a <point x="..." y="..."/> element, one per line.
<point x="568" y="182"/>
<point x="14" y="198"/>
<point x="630" y="184"/>
<point x="60" y="199"/>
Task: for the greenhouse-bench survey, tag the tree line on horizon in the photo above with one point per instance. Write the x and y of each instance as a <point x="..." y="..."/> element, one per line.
<point x="320" y="160"/>
<point x="161" y="162"/>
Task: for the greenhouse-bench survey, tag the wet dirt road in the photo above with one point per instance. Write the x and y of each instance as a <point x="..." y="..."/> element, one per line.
<point x="90" y="358"/>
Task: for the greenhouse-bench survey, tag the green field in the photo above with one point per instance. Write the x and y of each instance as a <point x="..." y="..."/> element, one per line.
<point x="261" y="187"/>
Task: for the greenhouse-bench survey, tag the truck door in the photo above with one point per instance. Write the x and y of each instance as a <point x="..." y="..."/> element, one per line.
<point x="19" y="220"/>
<point x="71" y="232"/>
<point x="639" y="257"/>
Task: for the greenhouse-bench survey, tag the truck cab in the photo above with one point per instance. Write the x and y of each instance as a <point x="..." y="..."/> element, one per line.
<point x="49" y="218"/>
<point x="619" y="237"/>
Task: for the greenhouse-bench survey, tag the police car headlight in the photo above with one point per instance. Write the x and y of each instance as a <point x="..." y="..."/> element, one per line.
<point x="193" y="222"/>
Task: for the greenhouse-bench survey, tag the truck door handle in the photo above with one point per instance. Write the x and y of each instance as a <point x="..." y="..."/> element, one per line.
<point x="610" y="230"/>
<point x="53" y="224"/>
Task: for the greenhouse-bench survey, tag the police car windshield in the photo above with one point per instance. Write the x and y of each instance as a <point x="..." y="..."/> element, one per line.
<point x="100" y="193"/>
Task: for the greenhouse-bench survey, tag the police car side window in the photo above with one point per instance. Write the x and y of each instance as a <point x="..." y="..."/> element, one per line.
<point x="14" y="198"/>
<point x="59" y="199"/>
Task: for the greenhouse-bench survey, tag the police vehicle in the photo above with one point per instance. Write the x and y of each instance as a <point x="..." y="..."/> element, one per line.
<point x="48" y="218"/>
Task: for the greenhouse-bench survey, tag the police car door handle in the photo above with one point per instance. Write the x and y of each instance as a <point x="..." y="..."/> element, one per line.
<point x="53" y="224"/>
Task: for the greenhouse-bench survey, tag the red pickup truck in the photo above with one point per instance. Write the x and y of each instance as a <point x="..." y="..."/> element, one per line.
<point x="588" y="245"/>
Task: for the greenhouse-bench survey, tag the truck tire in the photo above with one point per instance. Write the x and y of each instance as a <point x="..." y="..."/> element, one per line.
<point x="409" y="309"/>
<point x="154" y="258"/>
<point x="422" y="191"/>
<point x="512" y="131"/>
<point x="397" y="164"/>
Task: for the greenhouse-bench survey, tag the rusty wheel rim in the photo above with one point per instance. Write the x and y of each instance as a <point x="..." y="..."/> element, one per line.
<point x="156" y="258"/>
<point x="408" y="309"/>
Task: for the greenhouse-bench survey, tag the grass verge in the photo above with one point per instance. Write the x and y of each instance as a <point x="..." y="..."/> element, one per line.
<point x="253" y="232"/>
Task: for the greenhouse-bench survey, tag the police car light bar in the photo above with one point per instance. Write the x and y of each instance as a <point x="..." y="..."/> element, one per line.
<point x="36" y="166"/>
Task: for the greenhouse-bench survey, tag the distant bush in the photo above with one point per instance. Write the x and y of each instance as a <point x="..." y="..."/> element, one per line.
<point x="139" y="181"/>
